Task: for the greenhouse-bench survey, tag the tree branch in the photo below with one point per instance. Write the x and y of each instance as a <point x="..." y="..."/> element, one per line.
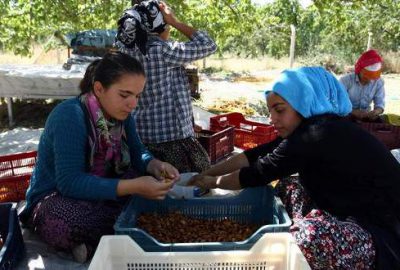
<point x="231" y="8"/>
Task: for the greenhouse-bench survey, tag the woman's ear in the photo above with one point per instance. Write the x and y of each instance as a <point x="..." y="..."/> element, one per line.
<point x="97" y="88"/>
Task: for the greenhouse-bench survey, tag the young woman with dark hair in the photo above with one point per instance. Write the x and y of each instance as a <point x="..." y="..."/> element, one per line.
<point x="90" y="156"/>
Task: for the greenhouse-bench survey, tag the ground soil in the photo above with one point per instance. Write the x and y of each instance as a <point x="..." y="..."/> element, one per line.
<point x="33" y="113"/>
<point x="27" y="113"/>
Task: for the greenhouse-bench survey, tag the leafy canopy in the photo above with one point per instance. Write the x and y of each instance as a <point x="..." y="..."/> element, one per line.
<point x="338" y="27"/>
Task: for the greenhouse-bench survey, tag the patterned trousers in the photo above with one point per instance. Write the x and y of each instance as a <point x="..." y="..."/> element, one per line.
<point x="326" y="241"/>
<point x="187" y="155"/>
<point x="64" y="222"/>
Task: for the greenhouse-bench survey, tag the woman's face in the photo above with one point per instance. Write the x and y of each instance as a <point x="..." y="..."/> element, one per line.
<point x="367" y="76"/>
<point x="284" y="118"/>
<point x="121" y="98"/>
<point x="166" y="33"/>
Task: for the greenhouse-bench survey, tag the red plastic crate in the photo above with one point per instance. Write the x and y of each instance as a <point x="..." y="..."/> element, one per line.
<point x="218" y="144"/>
<point x="248" y="134"/>
<point x="388" y="134"/>
<point x="15" y="173"/>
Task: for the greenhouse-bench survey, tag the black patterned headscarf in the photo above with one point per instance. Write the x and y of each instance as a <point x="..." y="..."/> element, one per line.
<point x="137" y="22"/>
<point x="130" y="31"/>
<point x="152" y="18"/>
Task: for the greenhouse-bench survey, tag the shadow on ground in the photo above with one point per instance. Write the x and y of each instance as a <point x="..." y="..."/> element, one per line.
<point x="27" y="113"/>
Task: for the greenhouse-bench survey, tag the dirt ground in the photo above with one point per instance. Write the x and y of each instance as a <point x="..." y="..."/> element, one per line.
<point x="213" y="89"/>
<point x="235" y="79"/>
<point x="27" y="113"/>
<point x="392" y="88"/>
<point x="252" y="89"/>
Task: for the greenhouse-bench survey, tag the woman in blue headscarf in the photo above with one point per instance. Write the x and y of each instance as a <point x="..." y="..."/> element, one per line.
<point x="345" y="202"/>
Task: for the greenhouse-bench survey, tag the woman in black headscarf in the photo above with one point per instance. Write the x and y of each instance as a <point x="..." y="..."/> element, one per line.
<point x="164" y="114"/>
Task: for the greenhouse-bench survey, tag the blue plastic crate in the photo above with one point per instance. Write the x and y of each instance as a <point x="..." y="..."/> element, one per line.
<point x="14" y="247"/>
<point x="252" y="205"/>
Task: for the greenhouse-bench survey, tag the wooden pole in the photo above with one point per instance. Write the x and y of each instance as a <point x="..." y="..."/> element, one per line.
<point x="10" y="112"/>
<point x="292" y="44"/>
<point x="369" y="45"/>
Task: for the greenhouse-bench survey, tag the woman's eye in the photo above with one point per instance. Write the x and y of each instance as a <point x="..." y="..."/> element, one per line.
<point x="124" y="96"/>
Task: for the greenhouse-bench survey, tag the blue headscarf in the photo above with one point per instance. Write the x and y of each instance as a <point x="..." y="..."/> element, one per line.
<point x="312" y="91"/>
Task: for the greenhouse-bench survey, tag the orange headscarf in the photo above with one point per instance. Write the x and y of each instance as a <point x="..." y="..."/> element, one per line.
<point x="371" y="74"/>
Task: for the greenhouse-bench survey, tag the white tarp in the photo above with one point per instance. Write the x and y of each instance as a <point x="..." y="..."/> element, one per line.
<point x="38" y="81"/>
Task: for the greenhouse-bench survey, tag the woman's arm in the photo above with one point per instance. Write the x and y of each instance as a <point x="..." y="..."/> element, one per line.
<point x="233" y="173"/>
<point x="279" y="162"/>
<point x="242" y="160"/>
<point x="198" y="47"/>
<point x="379" y="101"/>
<point x="228" y="181"/>
<point x="224" y="175"/>
<point x="234" y="163"/>
<point x="169" y="18"/>
<point x="379" y="97"/>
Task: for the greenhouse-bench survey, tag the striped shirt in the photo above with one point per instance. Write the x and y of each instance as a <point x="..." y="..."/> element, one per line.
<point x="164" y="112"/>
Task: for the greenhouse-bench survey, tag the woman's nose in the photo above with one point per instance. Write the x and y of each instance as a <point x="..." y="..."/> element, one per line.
<point x="132" y="103"/>
<point x="272" y="119"/>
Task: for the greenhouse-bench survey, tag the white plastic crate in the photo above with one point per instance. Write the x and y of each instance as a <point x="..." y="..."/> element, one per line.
<point x="273" y="251"/>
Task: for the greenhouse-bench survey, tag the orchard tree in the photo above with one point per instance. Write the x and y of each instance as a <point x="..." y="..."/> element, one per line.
<point x="336" y="27"/>
<point x="353" y="20"/>
<point x="26" y="21"/>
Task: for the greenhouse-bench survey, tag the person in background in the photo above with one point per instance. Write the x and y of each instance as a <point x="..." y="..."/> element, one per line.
<point x="345" y="202"/>
<point x="90" y="157"/>
<point x="365" y="86"/>
<point x="164" y="115"/>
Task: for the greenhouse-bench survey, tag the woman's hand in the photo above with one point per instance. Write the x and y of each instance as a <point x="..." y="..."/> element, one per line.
<point x="145" y="186"/>
<point x="197" y="128"/>
<point x="228" y="181"/>
<point x="169" y="18"/>
<point x="359" y="114"/>
<point x="374" y="114"/>
<point x="168" y="14"/>
<point x="163" y="170"/>
<point x="203" y="181"/>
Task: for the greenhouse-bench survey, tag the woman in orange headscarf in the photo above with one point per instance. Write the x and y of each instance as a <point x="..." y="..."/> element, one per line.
<point x="365" y="86"/>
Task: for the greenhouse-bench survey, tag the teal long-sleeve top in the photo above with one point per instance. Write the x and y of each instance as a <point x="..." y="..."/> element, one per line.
<point x="62" y="162"/>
